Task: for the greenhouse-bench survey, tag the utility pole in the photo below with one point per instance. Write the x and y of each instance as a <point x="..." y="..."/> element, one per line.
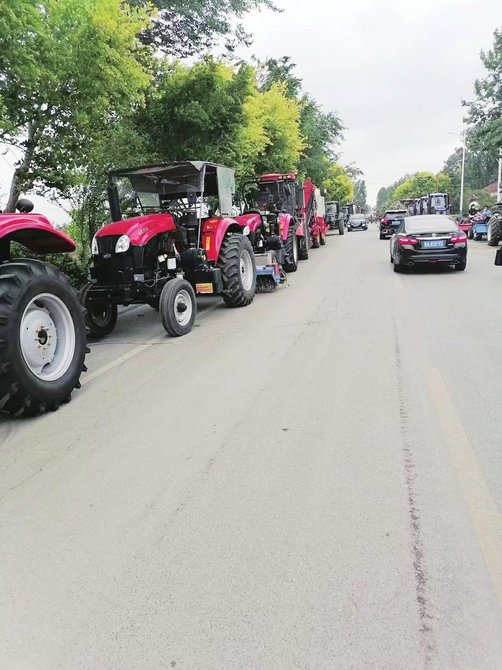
<point x="463" y="173"/>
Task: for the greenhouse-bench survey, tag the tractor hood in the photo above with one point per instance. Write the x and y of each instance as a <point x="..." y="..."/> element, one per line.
<point x="139" y="229"/>
<point x="35" y="232"/>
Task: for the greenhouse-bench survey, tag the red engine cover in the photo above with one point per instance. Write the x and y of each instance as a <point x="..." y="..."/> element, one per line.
<point x="140" y="228"/>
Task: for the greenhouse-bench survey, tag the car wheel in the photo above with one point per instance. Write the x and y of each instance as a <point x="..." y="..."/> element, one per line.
<point x="382" y="237"/>
<point x="461" y="266"/>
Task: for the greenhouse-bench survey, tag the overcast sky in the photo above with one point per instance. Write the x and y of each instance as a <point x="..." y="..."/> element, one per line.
<point x="394" y="70"/>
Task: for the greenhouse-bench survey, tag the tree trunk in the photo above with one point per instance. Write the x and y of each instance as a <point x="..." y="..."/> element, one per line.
<point x="16" y="185"/>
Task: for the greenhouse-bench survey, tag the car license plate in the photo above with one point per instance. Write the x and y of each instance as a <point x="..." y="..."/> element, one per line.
<point x="433" y="244"/>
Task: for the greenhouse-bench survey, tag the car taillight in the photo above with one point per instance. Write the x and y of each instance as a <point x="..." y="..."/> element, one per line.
<point x="384" y="220"/>
<point x="462" y="237"/>
<point x="407" y="240"/>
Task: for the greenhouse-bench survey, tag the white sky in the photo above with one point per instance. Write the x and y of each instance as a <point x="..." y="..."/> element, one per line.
<point x="394" y="70"/>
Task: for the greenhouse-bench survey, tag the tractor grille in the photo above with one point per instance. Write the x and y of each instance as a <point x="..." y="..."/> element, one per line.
<point x="106" y="244"/>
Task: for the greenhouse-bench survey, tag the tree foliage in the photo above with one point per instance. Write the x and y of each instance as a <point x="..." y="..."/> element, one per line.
<point x="422" y="183"/>
<point x="187" y="27"/>
<point x="338" y="184"/>
<point x="360" y="193"/>
<point x="66" y="68"/>
<point x="486" y="110"/>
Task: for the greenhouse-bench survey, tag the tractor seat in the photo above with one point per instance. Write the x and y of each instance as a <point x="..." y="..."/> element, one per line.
<point x="188" y="219"/>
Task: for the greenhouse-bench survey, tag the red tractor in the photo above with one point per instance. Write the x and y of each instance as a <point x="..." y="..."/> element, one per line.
<point x="172" y="236"/>
<point x="287" y="216"/>
<point x="314" y="213"/>
<point x="42" y="328"/>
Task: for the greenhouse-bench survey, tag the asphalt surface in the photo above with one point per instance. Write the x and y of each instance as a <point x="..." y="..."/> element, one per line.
<point x="314" y="481"/>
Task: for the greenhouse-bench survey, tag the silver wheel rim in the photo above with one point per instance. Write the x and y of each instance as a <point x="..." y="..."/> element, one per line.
<point x="183" y="307"/>
<point x="47" y="337"/>
<point x="295" y="249"/>
<point x="246" y="267"/>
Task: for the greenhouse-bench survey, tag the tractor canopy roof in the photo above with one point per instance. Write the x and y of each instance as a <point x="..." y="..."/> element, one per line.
<point x="176" y="180"/>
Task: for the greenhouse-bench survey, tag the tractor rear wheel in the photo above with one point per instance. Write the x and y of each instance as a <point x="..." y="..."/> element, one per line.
<point x="42" y="338"/>
<point x="341" y="228"/>
<point x="494" y="234"/>
<point x="178" y="307"/>
<point x="291" y="249"/>
<point x="100" y="317"/>
<point x="238" y="270"/>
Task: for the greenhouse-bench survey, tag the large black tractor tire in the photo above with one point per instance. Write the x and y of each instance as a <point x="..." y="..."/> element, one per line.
<point x="178" y="307"/>
<point x="341" y="229"/>
<point x="238" y="270"/>
<point x="470" y="234"/>
<point x="100" y="318"/>
<point x="304" y="246"/>
<point x="478" y="237"/>
<point x="494" y="234"/>
<point x="291" y="249"/>
<point x="42" y="338"/>
<point x="322" y="239"/>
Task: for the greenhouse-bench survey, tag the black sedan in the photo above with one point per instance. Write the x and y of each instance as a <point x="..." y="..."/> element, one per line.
<point x="430" y="239"/>
<point x="357" y="222"/>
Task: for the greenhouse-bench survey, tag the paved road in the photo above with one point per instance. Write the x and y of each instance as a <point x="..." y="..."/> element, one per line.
<point x="311" y="482"/>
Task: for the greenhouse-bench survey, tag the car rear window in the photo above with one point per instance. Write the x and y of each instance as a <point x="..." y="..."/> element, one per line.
<point x="394" y="215"/>
<point x="431" y="224"/>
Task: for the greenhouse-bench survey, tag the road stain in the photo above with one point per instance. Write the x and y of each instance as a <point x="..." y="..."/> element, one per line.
<point x="419" y="564"/>
<point x="481" y="506"/>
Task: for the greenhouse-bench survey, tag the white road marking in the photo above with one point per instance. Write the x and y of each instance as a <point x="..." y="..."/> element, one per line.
<point x="482" y="508"/>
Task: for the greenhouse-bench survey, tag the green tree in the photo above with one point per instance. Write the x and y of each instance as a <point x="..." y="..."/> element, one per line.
<point x="322" y="131"/>
<point x="214" y="111"/>
<point x="67" y="67"/>
<point x="338" y="184"/>
<point x="188" y="27"/>
<point x="486" y="111"/>
<point x="360" y="193"/>
<point x="422" y="183"/>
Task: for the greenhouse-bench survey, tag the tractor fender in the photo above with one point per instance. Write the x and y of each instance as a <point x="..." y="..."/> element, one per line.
<point x="214" y="231"/>
<point x="286" y="221"/>
<point x="300" y="231"/>
<point x="139" y="229"/>
<point x="35" y="232"/>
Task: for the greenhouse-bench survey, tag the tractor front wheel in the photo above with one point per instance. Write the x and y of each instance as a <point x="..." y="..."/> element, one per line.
<point x="178" y="307"/>
<point x="341" y="228"/>
<point x="42" y="338"/>
<point x="291" y="249"/>
<point x="322" y="239"/>
<point x="315" y="241"/>
<point x="238" y="270"/>
<point x="100" y="317"/>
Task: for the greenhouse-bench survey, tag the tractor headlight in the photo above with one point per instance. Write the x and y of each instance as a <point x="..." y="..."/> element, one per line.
<point x="246" y="230"/>
<point x="123" y="244"/>
<point x="94" y="247"/>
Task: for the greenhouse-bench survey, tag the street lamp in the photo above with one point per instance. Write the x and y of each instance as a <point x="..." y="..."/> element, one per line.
<point x="462" y="138"/>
